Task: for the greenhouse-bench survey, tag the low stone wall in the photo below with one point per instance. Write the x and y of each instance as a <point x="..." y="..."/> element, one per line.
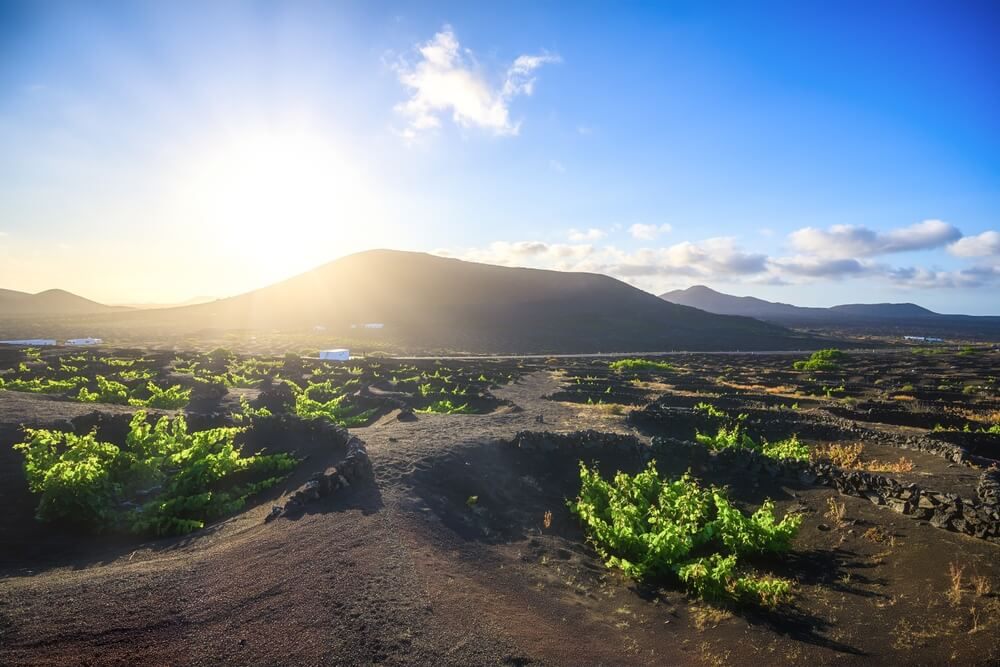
<point x="979" y="517"/>
<point x="356" y="468"/>
<point x="581" y="442"/>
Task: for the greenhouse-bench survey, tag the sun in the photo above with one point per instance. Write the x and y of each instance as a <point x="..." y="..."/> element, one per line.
<point x="273" y="195"/>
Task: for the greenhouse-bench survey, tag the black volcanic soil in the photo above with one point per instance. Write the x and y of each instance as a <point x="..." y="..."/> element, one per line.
<point x="411" y="572"/>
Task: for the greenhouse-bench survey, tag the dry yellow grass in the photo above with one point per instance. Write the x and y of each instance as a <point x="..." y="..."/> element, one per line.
<point x="954" y="592"/>
<point x="604" y="410"/>
<point x="836" y="511"/>
<point x="849" y="458"/>
<point x="982" y="586"/>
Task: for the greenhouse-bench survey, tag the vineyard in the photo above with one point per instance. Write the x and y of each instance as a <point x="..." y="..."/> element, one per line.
<point x="830" y="507"/>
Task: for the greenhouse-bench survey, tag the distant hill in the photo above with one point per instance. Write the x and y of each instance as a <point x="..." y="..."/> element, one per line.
<point x="895" y="318"/>
<point x="50" y="303"/>
<point x="433" y="302"/>
<point x="187" y="302"/>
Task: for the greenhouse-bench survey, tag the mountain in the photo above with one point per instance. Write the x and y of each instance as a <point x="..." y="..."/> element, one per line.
<point x="187" y="302"/>
<point x="888" y="310"/>
<point x="50" y="303"/>
<point x="709" y="300"/>
<point x="429" y="302"/>
<point x="891" y="318"/>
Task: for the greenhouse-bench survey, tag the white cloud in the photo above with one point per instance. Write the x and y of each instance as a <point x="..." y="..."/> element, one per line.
<point x="584" y="130"/>
<point x="589" y="235"/>
<point x="843" y="241"/>
<point x="723" y="260"/>
<point x="982" y="245"/>
<point x="820" y="267"/>
<point x="648" y="232"/>
<point x="557" y="166"/>
<point x="447" y="79"/>
<point x="923" y="278"/>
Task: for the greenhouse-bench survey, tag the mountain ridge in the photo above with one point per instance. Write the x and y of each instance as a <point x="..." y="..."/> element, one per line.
<point x="891" y="317"/>
<point x="49" y="303"/>
<point x="428" y="301"/>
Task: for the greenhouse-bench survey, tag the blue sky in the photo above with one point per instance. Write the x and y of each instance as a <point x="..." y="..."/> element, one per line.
<point x="813" y="153"/>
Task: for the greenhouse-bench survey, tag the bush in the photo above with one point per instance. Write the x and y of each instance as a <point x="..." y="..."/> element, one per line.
<point x="446" y="407"/>
<point x="325" y="401"/>
<point x="655" y="530"/>
<point x="41" y="385"/>
<point x="108" y="391"/>
<point x="735" y="438"/>
<point x="821" y="360"/>
<point x="171" y="398"/>
<point x="163" y="481"/>
<point x="640" y="365"/>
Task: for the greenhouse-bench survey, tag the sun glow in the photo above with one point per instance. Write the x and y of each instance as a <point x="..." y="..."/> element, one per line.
<point x="277" y="195"/>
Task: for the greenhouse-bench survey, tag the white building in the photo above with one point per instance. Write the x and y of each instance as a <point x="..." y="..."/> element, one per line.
<point x="84" y="341"/>
<point x="339" y="354"/>
<point x="29" y="341"/>
<point x="374" y="325"/>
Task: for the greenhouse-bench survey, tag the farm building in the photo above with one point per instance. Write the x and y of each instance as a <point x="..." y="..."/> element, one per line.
<point x="29" y="341"/>
<point x="339" y="354"/>
<point x="84" y="341"/>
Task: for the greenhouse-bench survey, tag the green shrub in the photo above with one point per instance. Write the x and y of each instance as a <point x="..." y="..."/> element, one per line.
<point x="446" y="407"/>
<point x="710" y="410"/>
<point x="324" y="401"/>
<point x="640" y="365"/>
<point x="108" y="391"/>
<point x="735" y="438"/>
<point x="171" y="398"/>
<point x="821" y="360"/>
<point x="42" y="385"/>
<point x="163" y="480"/>
<point x="655" y="529"/>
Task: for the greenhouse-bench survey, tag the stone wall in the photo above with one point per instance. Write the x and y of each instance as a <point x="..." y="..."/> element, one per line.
<point x="979" y="517"/>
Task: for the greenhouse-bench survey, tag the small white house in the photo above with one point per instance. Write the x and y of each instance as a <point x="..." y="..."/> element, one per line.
<point x="374" y="325"/>
<point x="32" y="342"/>
<point x="340" y="354"/>
<point x="84" y="341"/>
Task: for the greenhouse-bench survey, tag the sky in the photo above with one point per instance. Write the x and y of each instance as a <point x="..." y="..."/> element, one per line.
<point x="811" y="153"/>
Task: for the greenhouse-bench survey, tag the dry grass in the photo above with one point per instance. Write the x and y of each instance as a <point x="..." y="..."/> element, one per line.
<point x="842" y="456"/>
<point x="849" y="458"/>
<point x="705" y="616"/>
<point x="954" y="592"/>
<point x="604" y="410"/>
<point x="652" y="386"/>
<point x="547" y="519"/>
<point x="903" y="397"/>
<point x="836" y="511"/>
<point x="975" y="620"/>
<point x="982" y="586"/>
<point x="902" y="465"/>
<point x="878" y="535"/>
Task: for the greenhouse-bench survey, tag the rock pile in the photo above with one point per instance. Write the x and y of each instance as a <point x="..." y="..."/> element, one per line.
<point x="356" y="468"/>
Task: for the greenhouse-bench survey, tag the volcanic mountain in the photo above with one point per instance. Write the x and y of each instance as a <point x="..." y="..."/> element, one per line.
<point x="431" y="302"/>
<point x="906" y="318"/>
<point x="50" y="303"/>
